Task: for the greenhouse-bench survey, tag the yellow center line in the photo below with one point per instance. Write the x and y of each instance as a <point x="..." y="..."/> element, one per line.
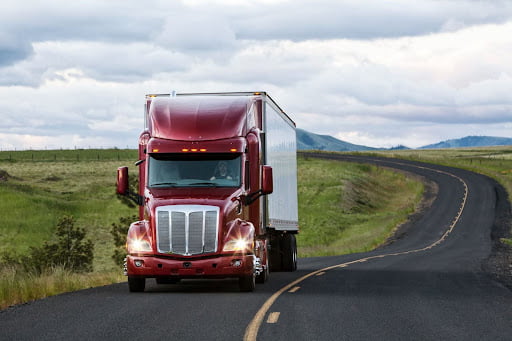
<point x="251" y="332"/>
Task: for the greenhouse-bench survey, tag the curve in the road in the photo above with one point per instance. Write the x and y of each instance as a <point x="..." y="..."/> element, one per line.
<point x="253" y="327"/>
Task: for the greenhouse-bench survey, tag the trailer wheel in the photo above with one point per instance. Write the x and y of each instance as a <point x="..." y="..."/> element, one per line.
<point x="136" y="284"/>
<point x="247" y="283"/>
<point x="289" y="252"/>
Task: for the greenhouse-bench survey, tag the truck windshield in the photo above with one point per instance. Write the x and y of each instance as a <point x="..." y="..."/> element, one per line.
<point x="194" y="170"/>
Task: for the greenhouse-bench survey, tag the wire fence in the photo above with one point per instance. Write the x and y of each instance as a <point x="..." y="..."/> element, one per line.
<point x="69" y="155"/>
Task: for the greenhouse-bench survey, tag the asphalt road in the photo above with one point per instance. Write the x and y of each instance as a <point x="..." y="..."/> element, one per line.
<point x="426" y="285"/>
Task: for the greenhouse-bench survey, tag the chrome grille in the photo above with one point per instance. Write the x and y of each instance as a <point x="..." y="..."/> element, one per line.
<point x="187" y="230"/>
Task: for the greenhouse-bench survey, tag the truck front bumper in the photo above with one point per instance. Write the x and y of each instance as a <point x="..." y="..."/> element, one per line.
<point x="216" y="267"/>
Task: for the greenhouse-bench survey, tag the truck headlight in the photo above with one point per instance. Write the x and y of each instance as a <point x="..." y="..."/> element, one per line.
<point x="238" y="244"/>
<point x="138" y="245"/>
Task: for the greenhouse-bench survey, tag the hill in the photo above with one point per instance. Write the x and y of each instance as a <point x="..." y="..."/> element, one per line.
<point x="310" y="141"/>
<point x="471" y="141"/>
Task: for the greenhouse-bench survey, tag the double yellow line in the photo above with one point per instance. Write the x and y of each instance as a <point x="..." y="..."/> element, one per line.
<point x="251" y="332"/>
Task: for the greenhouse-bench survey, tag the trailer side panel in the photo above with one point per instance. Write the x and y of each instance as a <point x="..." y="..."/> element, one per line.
<point x="281" y="154"/>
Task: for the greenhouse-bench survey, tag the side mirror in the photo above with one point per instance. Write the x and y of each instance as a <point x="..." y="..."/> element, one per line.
<point x="267" y="182"/>
<point x="267" y="186"/>
<point x="122" y="181"/>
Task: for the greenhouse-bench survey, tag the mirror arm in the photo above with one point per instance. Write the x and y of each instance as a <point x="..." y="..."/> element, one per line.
<point x="251" y="197"/>
<point x="136" y="198"/>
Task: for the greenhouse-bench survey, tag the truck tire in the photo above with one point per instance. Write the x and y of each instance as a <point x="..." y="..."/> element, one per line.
<point x="247" y="283"/>
<point x="136" y="284"/>
<point x="289" y="254"/>
<point x="263" y="276"/>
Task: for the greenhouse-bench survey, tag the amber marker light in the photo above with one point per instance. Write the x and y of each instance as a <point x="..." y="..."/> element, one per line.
<point x="185" y="150"/>
<point x="156" y="150"/>
<point x="233" y="150"/>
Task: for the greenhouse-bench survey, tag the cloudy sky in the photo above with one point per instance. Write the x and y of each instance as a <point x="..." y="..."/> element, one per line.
<point x="371" y="72"/>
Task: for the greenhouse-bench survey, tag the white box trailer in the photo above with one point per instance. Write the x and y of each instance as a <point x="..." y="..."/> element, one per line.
<point x="281" y="154"/>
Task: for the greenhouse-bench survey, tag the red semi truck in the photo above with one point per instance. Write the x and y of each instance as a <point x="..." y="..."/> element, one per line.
<point x="217" y="190"/>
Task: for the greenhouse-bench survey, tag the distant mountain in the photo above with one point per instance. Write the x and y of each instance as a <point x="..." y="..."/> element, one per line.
<point x="471" y="141"/>
<point x="310" y="141"/>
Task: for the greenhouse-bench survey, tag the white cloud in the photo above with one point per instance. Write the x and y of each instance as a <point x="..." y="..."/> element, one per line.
<point x="382" y="74"/>
<point x="356" y="19"/>
<point x="196" y="32"/>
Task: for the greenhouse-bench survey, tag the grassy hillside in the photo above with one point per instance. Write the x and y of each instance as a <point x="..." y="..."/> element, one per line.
<point x="38" y="188"/>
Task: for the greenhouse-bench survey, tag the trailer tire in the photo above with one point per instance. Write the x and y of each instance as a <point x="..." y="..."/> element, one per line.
<point x="289" y="260"/>
<point x="247" y="283"/>
<point x="136" y="284"/>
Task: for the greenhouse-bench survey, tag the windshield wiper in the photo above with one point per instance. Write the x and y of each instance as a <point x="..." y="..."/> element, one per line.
<point x="164" y="184"/>
<point x="204" y="183"/>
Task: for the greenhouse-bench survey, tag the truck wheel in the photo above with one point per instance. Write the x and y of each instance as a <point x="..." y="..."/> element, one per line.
<point x="136" y="284"/>
<point x="247" y="283"/>
<point x="289" y="252"/>
<point x="263" y="277"/>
